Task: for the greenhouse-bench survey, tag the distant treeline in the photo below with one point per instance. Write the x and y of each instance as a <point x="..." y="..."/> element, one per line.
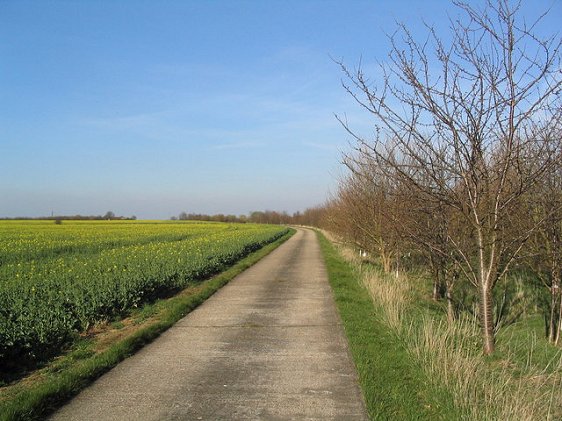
<point x="311" y="216"/>
<point x="108" y="215"/>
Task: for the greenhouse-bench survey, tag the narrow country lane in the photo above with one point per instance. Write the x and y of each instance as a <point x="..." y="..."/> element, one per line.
<point x="267" y="346"/>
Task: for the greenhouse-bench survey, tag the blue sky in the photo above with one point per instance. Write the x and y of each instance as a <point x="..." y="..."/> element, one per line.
<point x="150" y="108"/>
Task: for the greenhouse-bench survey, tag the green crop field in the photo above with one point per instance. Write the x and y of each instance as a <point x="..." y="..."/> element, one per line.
<point x="57" y="281"/>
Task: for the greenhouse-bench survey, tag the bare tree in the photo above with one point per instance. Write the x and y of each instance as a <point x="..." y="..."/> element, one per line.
<point x="461" y="134"/>
<point x="367" y="209"/>
<point x="545" y="204"/>
<point x="430" y="226"/>
<point x="109" y="215"/>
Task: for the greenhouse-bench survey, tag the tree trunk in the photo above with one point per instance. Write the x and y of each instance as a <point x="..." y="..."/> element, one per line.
<point x="554" y="312"/>
<point x="437" y="272"/>
<point x="451" y="316"/>
<point x="487" y="320"/>
<point x="556" y="340"/>
<point x="386" y="260"/>
<point x="436" y="294"/>
<point x="558" y="326"/>
<point x="437" y="284"/>
<point x="450" y="280"/>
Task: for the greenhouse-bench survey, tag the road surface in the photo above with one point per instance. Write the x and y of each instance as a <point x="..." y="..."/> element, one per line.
<point x="267" y="346"/>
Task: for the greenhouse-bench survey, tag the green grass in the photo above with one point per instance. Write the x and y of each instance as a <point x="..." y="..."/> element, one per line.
<point x="524" y="344"/>
<point x="66" y="376"/>
<point x="520" y="381"/>
<point x="394" y="387"/>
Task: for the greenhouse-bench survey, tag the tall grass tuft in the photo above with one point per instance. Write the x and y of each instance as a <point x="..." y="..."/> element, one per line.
<point x="391" y="292"/>
<point x="450" y="355"/>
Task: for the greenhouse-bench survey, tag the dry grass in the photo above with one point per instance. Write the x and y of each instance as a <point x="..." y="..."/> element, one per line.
<point x="450" y="355"/>
<point x="447" y="353"/>
<point x="392" y="293"/>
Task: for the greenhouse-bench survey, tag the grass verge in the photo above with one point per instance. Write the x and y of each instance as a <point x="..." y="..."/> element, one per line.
<point x="498" y="387"/>
<point x="42" y="392"/>
<point x="394" y="386"/>
<point x="520" y="381"/>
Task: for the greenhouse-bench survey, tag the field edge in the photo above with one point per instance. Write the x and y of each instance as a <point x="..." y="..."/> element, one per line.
<point x="393" y="386"/>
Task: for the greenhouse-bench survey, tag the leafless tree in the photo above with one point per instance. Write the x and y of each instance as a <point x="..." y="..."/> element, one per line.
<point x="456" y="121"/>
<point x="368" y="209"/>
<point x="545" y="204"/>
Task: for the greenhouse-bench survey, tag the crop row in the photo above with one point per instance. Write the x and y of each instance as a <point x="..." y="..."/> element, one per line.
<point x="36" y="240"/>
<point x="43" y="304"/>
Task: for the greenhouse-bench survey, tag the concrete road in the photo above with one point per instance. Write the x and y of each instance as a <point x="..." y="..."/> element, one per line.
<point x="268" y="346"/>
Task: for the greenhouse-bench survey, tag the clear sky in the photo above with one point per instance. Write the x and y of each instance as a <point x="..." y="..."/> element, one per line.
<point x="150" y="108"/>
